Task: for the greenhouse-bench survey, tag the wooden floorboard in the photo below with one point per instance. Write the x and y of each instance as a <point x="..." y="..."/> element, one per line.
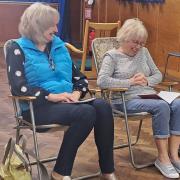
<point x="87" y="160"/>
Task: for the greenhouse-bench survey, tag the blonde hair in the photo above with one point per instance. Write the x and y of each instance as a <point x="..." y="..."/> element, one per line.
<point x="35" y="20"/>
<point x="132" y="29"/>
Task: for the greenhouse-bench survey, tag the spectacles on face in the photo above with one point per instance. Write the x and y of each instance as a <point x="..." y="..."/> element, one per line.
<point x="138" y="43"/>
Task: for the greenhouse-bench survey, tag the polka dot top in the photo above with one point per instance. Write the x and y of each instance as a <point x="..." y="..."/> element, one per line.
<point x="18" y="83"/>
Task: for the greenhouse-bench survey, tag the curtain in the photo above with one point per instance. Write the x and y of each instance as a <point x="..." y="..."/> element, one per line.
<point x="64" y="24"/>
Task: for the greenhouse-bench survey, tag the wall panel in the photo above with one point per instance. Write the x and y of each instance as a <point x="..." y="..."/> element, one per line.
<point x="162" y="22"/>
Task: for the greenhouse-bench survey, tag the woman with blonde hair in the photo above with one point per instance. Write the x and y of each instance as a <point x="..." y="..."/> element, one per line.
<point x="131" y="66"/>
<point x="40" y="65"/>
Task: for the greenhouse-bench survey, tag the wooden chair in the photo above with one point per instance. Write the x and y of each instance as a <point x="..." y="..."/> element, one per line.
<point x="99" y="47"/>
<point x="100" y="30"/>
<point x="23" y="124"/>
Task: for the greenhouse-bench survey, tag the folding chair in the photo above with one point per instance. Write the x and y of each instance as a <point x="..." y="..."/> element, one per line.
<point x="23" y="124"/>
<point x="99" y="47"/>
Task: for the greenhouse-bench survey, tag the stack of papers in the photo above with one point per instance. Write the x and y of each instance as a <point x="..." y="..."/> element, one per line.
<point x="167" y="96"/>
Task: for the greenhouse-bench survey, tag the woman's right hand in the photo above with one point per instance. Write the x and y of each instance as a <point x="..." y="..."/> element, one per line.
<point x="139" y="79"/>
<point x="62" y="97"/>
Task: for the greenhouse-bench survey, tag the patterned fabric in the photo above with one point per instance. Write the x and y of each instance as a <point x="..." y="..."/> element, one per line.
<point x="100" y="46"/>
<point x="17" y="80"/>
<point x="117" y="69"/>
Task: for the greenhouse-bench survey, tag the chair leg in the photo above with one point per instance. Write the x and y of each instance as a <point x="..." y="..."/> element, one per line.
<point x="35" y="140"/>
<point x="17" y="134"/>
<point x="136" y="166"/>
<point x="133" y="143"/>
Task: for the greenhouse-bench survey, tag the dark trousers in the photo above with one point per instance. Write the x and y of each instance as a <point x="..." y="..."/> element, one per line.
<point x="81" y="119"/>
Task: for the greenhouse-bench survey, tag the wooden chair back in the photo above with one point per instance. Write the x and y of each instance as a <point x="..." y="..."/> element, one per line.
<point x="100" y="30"/>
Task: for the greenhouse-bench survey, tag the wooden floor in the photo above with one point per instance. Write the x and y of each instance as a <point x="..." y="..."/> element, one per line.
<point x="87" y="160"/>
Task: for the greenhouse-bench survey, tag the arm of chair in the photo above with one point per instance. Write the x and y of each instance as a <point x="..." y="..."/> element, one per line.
<point x="117" y="89"/>
<point x="166" y="85"/>
<point x="73" y="48"/>
<point x="26" y="98"/>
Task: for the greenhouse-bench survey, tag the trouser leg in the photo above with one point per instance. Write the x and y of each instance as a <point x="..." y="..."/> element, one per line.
<point x="104" y="135"/>
<point x="159" y="110"/>
<point x="80" y="119"/>
<point x="79" y="129"/>
<point x="175" y="117"/>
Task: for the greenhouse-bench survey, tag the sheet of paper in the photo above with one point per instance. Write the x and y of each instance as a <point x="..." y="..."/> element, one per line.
<point x="168" y="96"/>
<point x="82" y="101"/>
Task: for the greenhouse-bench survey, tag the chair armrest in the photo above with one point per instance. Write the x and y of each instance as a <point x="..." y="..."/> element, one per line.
<point x="118" y="89"/>
<point x="73" y="48"/>
<point x="94" y="90"/>
<point x="26" y="98"/>
<point x="169" y="83"/>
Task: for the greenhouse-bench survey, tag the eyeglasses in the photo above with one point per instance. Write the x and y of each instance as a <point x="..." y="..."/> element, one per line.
<point x="141" y="44"/>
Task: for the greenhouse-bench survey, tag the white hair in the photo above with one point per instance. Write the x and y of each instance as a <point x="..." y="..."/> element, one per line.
<point x="35" y="20"/>
<point x="132" y="29"/>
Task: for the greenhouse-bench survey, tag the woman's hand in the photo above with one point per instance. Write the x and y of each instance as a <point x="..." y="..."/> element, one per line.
<point x="76" y="95"/>
<point x="62" y="97"/>
<point x="139" y="79"/>
<point x="65" y="97"/>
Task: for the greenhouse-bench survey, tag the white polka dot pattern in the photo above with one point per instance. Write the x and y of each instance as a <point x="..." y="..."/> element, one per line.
<point x="84" y="89"/>
<point x="38" y="93"/>
<point x="86" y="81"/>
<point x="17" y="52"/>
<point x="23" y="89"/>
<point x="18" y="73"/>
<point x="9" y="68"/>
<point x="77" y="78"/>
<point x="46" y="97"/>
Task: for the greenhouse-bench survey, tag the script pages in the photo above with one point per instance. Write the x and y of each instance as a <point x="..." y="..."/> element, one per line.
<point x="167" y="96"/>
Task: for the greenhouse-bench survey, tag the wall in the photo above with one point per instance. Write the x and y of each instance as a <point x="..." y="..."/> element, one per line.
<point x="161" y="20"/>
<point x="10" y="13"/>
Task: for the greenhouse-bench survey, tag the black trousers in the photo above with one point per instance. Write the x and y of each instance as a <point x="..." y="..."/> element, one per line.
<point x="81" y="119"/>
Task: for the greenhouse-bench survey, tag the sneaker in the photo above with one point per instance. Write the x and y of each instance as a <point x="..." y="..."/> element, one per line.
<point x="176" y="164"/>
<point x="167" y="170"/>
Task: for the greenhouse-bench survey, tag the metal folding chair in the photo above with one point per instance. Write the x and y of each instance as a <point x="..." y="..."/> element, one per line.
<point x="23" y="124"/>
<point x="99" y="47"/>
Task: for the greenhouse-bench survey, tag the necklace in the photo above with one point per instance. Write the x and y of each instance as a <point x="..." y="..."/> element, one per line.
<point x="52" y="65"/>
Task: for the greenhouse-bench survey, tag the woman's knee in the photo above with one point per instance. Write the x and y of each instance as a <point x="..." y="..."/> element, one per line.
<point x="162" y="108"/>
<point x="175" y="106"/>
<point x="87" y="113"/>
<point x="102" y="104"/>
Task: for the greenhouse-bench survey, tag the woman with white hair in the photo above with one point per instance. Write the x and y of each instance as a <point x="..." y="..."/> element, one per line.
<point x="131" y="66"/>
<point x="40" y="65"/>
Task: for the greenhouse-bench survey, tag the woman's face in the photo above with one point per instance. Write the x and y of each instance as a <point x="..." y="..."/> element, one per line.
<point x="133" y="46"/>
<point x="48" y="34"/>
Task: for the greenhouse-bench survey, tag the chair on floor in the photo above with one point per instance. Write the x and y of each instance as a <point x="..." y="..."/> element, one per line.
<point x="99" y="47"/>
<point x="23" y="124"/>
<point x="99" y="30"/>
<point x="170" y="74"/>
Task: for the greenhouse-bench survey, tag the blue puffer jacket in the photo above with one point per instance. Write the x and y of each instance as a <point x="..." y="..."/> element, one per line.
<point x="37" y="67"/>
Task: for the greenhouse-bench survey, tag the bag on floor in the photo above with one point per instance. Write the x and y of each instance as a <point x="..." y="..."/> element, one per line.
<point x="15" y="164"/>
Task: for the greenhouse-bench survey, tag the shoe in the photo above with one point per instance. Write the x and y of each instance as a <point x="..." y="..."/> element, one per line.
<point x="167" y="170"/>
<point x="176" y="164"/>
<point x="56" y="176"/>
<point x="111" y="176"/>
